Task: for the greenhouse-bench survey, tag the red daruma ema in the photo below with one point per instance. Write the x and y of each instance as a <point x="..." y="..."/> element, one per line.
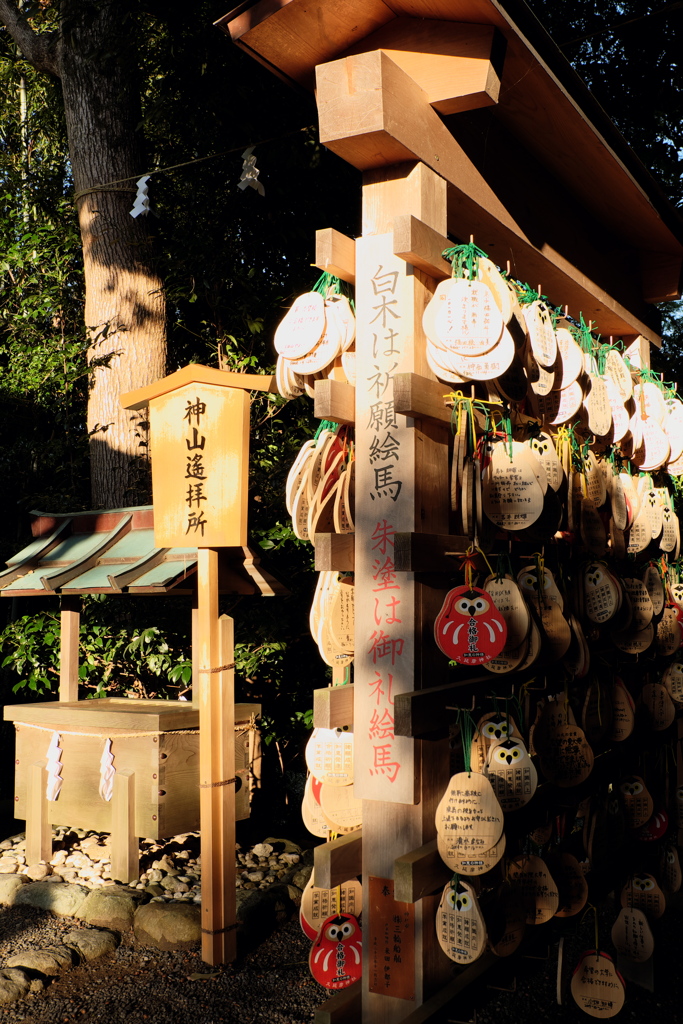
<point x="335" y="957"/>
<point x="469" y="628"/>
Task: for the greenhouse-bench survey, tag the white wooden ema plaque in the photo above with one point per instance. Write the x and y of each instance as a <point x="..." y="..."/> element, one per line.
<point x="200" y="466"/>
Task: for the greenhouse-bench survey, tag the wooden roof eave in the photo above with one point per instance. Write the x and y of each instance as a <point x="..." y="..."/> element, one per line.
<point x="36" y="552"/>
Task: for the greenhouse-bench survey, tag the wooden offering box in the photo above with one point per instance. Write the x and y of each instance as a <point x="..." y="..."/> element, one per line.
<point x="158" y="740"/>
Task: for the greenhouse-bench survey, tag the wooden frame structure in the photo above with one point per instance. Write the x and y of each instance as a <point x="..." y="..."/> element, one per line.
<point x="465" y="121"/>
<point x="157" y="743"/>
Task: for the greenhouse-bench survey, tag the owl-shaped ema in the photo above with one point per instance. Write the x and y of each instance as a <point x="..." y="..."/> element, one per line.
<point x="335" y="957"/>
<point x="469" y="628"/>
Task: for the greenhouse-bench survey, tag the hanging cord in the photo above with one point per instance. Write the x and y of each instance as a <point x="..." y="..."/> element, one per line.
<point x="106" y="186"/>
<point x="467" y="730"/>
<point x="464" y="260"/>
<point x="526" y="295"/>
<point x="596" y="933"/>
<point x="327" y="425"/>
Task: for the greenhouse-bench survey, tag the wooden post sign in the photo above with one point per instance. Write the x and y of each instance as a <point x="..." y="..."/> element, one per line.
<point x="200" y="466"/>
<point x="199" y="427"/>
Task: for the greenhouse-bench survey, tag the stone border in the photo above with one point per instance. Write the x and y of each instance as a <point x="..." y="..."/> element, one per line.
<point x="111" y="909"/>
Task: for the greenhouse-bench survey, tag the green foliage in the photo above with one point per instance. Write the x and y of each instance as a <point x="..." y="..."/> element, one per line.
<point x="43" y="372"/>
<point x="112" y="661"/>
<point x="628" y="53"/>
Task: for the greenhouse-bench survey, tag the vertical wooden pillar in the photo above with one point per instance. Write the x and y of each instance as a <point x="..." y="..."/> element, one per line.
<point x="216" y="765"/>
<point x="125" y="851"/>
<point x="38" y="830"/>
<point x="196" y="690"/>
<point x="401" y="486"/>
<point x="70" y="619"/>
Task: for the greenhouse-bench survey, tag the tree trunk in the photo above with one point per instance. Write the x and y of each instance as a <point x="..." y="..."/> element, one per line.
<point x="94" y="55"/>
<point x="124" y="305"/>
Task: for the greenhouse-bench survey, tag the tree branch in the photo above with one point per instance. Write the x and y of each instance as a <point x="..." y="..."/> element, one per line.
<point x="39" y="48"/>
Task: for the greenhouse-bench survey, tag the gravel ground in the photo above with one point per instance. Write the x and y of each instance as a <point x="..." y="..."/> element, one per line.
<point x="271" y="983"/>
<point x="139" y="985"/>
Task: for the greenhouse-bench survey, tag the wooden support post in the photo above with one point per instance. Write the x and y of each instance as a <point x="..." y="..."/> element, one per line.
<point x="408" y="494"/>
<point x="337" y="861"/>
<point x="38" y="830"/>
<point x="125" y="851"/>
<point x="333" y="707"/>
<point x="70" y="621"/>
<point x="196" y="688"/>
<point x="216" y="766"/>
<point x="342" y="1008"/>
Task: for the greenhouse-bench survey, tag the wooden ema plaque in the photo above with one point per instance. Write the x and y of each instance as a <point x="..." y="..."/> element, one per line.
<point x="391" y="945"/>
<point x="536" y="887"/>
<point x="596" y="985"/>
<point x="631" y="935"/>
<point x="468" y="815"/>
<point x="460" y="926"/>
<point x="505" y="921"/>
<point x="319" y="904"/>
<point x="329" y="756"/>
<point x="200" y="468"/>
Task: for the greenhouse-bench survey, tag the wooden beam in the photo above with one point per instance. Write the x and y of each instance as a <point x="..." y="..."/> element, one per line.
<point x="70" y="622"/>
<point x="343" y="1007"/>
<point x="333" y="707"/>
<point x="334" y="551"/>
<point x="38" y="830"/>
<point x="662" y="276"/>
<point x="421" y="246"/>
<point x="416" y="713"/>
<point x="334" y="401"/>
<point x="336" y="254"/>
<point x="373" y="114"/>
<point x="125" y="852"/>
<point x="417" y="396"/>
<point x="419" y="873"/>
<point x="427" y="552"/>
<point x="458" y="65"/>
<point x="337" y="861"/>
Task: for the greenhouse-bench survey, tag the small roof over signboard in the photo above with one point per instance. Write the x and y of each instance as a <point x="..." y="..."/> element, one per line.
<point x="197" y="373"/>
<point x="113" y="552"/>
<point x="535" y="168"/>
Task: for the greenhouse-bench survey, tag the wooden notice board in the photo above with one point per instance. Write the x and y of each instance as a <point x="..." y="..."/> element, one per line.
<point x="391" y="942"/>
<point x="200" y="466"/>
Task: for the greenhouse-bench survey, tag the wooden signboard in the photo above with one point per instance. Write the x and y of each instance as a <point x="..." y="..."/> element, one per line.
<point x="200" y="467"/>
<point x="385" y="656"/>
<point x="391" y="945"/>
